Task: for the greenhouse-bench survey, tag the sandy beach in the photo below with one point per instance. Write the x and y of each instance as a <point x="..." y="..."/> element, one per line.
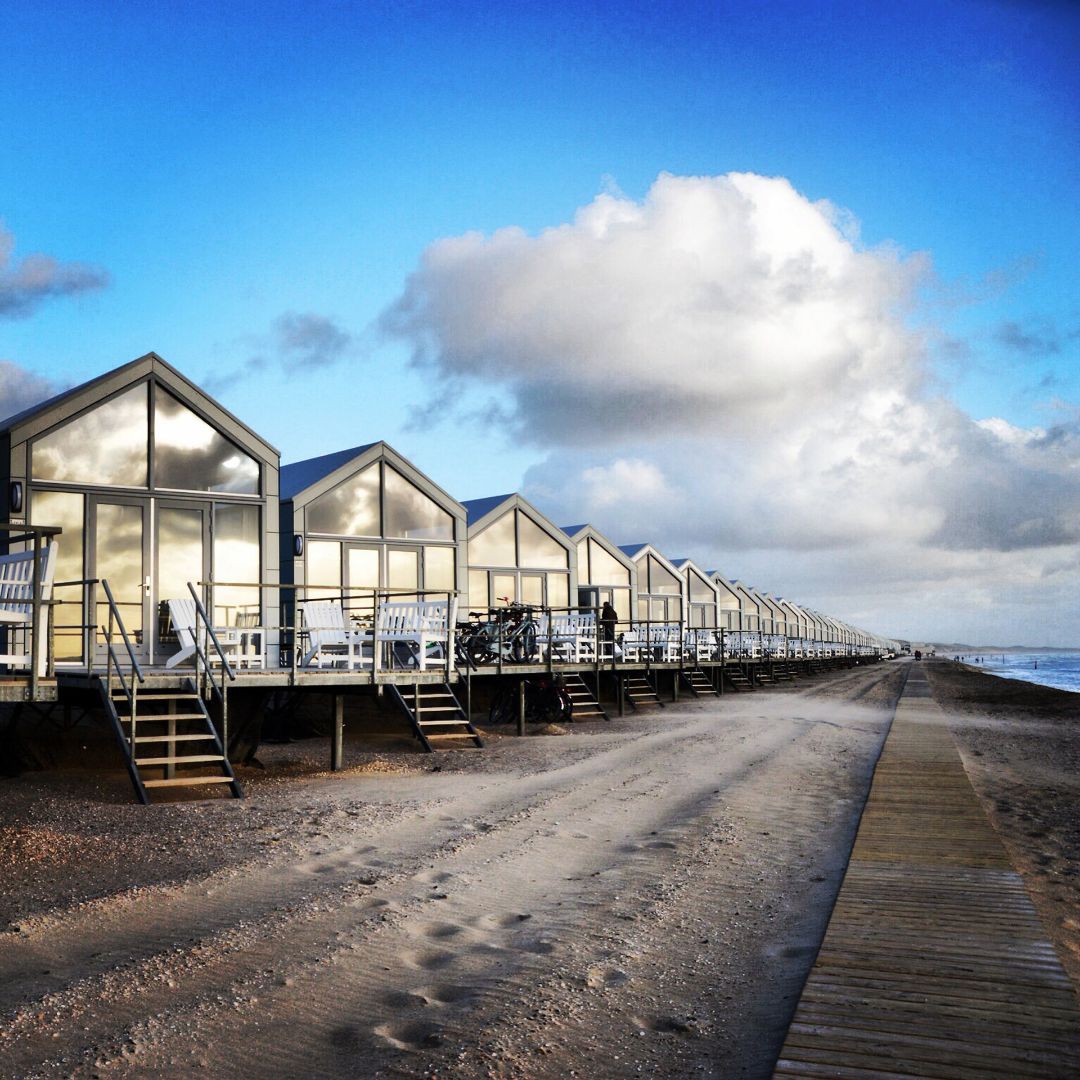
<point x="639" y="897"/>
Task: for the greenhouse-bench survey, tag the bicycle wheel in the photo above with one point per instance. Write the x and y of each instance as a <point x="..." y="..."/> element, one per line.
<point x="523" y="647"/>
<point x="503" y="707"/>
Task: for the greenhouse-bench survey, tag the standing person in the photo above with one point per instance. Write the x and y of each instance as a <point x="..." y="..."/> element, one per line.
<point x="609" y="617"/>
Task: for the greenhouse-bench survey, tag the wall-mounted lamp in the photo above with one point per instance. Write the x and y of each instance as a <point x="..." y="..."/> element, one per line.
<point x="298" y="544"/>
<point x="15" y="496"/>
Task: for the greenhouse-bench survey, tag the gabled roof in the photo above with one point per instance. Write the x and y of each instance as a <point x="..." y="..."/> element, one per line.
<point x="302" y="481"/>
<point x="479" y="508"/>
<point x="479" y="512"/>
<point x="633" y="550"/>
<point x="302" y="474"/>
<point x="151" y="362"/>
<point x="578" y="533"/>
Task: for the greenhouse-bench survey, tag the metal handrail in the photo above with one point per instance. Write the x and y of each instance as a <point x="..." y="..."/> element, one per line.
<point x="114" y="612"/>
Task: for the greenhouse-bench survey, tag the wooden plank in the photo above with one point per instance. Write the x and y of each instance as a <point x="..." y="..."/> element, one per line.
<point x="934" y="963"/>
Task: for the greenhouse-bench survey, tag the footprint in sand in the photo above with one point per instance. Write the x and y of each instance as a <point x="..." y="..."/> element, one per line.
<point x="410" y="1036"/>
<point x="446" y="994"/>
<point x="404" y="999"/>
<point x="502" y="921"/>
<point x="428" y="959"/>
<point x="439" y="931"/>
<point x="433" y="877"/>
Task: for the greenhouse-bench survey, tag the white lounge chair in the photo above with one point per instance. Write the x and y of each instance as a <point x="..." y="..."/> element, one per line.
<point x="17" y="607"/>
<point x="244" y="647"/>
<point x="329" y="640"/>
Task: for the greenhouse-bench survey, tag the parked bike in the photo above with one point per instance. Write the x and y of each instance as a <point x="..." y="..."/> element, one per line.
<point x="508" y="633"/>
<point x="547" y="701"/>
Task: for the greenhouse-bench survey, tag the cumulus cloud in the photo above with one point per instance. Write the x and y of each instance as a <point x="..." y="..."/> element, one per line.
<point x="26" y="283"/>
<point x="19" y="389"/>
<point x="722" y="368"/>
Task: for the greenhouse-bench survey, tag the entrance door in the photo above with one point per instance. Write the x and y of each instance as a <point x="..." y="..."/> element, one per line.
<point x="120" y="529"/>
<point x="182" y="555"/>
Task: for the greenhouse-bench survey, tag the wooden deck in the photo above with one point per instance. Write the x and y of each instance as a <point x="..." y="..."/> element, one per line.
<point x="934" y="963"/>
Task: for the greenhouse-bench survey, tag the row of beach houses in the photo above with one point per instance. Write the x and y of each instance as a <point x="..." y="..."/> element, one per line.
<point x="155" y="485"/>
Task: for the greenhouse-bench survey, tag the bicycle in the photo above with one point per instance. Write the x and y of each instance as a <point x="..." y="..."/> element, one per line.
<point x="508" y="633"/>
<point x="547" y="701"/>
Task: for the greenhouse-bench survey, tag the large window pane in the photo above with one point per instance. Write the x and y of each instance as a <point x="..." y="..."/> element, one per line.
<point x="65" y="510"/>
<point x="661" y="580"/>
<point x="191" y="455"/>
<point x="439" y="568"/>
<point x="237" y="558"/>
<point x="119" y="541"/>
<point x="536" y="547"/>
<point x="478" y="591"/>
<point x="583" y="573"/>
<point x="323" y="569"/>
<point x="350" y="509"/>
<point x="410" y="514"/>
<point x="504" y="588"/>
<point x="620" y="601"/>
<point x="558" y="590"/>
<point x="700" y="589"/>
<point x="402" y="569"/>
<point x="532" y="589"/>
<point x="495" y="545"/>
<point x="605" y="568"/>
<point x="363" y="568"/>
<point x="107" y="445"/>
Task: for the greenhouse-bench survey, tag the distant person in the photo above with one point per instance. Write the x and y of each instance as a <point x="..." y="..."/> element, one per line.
<point x="609" y="619"/>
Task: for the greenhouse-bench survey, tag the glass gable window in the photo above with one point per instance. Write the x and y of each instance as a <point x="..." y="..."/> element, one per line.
<point x="662" y="580"/>
<point x="190" y="455"/>
<point x="107" y="445"/>
<point x="604" y="568"/>
<point x="350" y="509"/>
<point x="700" y="589"/>
<point x="410" y="514"/>
<point x="537" y="547"/>
<point x="495" y="545"/>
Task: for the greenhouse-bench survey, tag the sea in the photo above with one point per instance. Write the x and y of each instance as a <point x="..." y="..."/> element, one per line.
<point x="1060" y="670"/>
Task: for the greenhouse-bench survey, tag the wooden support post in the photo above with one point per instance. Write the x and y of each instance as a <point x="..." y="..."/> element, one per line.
<point x="675" y="684"/>
<point x="337" y="734"/>
<point x="521" y="707"/>
<point x="619" y="694"/>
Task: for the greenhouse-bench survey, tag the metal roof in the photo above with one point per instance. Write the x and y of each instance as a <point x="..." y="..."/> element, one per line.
<point x="302" y="474"/>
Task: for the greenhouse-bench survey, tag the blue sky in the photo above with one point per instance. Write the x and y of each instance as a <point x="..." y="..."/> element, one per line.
<point x="230" y="167"/>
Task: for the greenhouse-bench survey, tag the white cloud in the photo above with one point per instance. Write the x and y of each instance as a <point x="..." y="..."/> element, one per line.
<point x="26" y="283"/>
<point x="723" y="370"/>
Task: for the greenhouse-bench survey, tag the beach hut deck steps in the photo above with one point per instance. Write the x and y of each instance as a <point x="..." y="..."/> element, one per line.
<point x="435" y="714"/>
<point x="168" y="732"/>
<point x="586" y="707"/>
<point x="698" y="683"/>
<point x="639" y="691"/>
<point x="736" y="678"/>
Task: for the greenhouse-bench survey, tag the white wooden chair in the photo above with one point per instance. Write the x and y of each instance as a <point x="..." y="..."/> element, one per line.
<point x="570" y="637"/>
<point x="243" y="647"/>
<point x="699" y="644"/>
<point x="17" y="607"/>
<point x="424" y="627"/>
<point x="329" y="640"/>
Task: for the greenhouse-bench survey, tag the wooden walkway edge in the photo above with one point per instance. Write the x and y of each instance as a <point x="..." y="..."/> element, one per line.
<point x="934" y="963"/>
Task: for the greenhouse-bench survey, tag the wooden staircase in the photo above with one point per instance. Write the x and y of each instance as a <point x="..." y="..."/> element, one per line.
<point x="586" y="707"/>
<point x="698" y="683"/>
<point x="639" y="691"/>
<point x="736" y="678"/>
<point x="168" y="738"/>
<point x="436" y="714"/>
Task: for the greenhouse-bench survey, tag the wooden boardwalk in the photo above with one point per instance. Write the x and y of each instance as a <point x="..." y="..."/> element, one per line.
<point x="934" y="963"/>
